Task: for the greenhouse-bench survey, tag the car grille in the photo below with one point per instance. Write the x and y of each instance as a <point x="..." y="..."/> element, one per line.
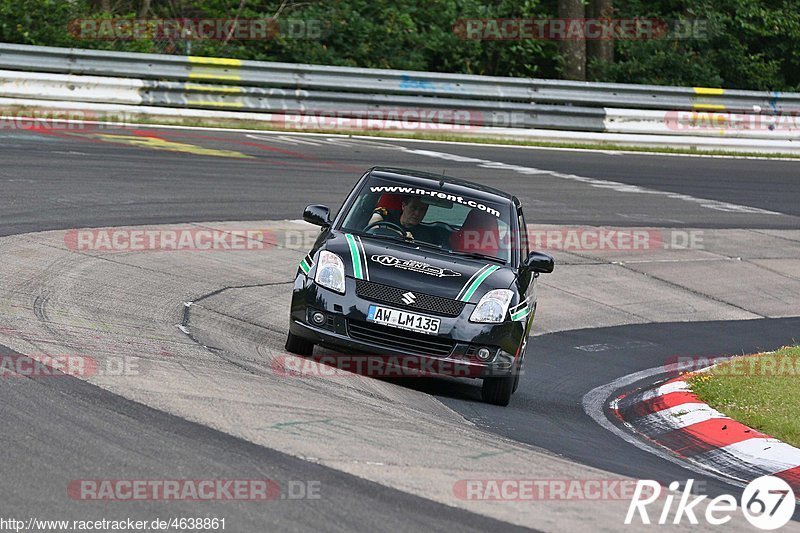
<point x="425" y="302"/>
<point x="400" y="340"/>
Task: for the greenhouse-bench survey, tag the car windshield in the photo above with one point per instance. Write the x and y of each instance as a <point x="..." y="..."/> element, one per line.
<point x="444" y="217"/>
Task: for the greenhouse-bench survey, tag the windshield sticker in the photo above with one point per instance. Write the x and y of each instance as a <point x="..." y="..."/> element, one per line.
<point x="414" y="266"/>
<point x="436" y="194"/>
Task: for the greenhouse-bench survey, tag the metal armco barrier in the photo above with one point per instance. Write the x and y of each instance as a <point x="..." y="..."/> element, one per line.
<point x="187" y="82"/>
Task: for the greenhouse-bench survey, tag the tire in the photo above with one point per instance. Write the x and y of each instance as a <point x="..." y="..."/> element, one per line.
<point x="498" y="391"/>
<point x="298" y="345"/>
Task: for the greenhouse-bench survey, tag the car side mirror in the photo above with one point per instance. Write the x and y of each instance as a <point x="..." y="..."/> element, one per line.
<point x="319" y="215"/>
<point x="539" y="263"/>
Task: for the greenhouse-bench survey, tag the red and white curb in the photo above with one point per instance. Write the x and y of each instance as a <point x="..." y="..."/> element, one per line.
<point x="673" y="417"/>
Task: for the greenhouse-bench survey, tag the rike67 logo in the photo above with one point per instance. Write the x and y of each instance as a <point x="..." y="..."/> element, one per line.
<point x="768" y="503"/>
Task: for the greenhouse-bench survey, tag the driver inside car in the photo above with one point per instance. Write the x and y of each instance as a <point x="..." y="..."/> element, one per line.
<point x="412" y="212"/>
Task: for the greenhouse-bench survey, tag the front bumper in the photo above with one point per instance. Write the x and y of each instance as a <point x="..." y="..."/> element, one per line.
<point x="449" y="353"/>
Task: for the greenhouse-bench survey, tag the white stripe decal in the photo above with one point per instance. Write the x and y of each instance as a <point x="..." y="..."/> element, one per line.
<point x="524" y="302"/>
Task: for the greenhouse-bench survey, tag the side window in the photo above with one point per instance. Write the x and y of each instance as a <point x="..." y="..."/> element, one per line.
<point x="360" y="212"/>
<point x="524" y="250"/>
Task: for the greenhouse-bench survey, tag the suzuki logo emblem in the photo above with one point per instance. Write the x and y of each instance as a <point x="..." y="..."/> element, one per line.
<point x="409" y="298"/>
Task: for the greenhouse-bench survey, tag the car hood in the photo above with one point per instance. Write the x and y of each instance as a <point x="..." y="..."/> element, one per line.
<point x="418" y="269"/>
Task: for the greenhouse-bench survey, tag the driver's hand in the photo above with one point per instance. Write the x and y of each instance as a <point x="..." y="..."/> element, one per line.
<point x="409" y="235"/>
<point x="376" y="217"/>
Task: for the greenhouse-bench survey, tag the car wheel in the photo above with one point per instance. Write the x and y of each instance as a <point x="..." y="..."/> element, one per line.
<point x="498" y="391"/>
<point x="298" y="345"/>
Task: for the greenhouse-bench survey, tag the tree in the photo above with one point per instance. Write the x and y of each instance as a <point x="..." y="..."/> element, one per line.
<point x="573" y="51"/>
<point x="599" y="52"/>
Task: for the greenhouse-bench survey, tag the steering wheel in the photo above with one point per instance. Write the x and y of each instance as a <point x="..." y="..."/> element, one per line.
<point x="388" y="225"/>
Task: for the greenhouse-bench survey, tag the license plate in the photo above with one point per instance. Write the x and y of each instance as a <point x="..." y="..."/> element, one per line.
<point x="402" y="319"/>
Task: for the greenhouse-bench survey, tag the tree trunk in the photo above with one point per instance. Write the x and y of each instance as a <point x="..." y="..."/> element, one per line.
<point x="599" y="50"/>
<point x="573" y="50"/>
<point x="144" y="9"/>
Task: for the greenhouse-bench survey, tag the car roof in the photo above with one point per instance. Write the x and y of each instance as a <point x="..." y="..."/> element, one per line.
<point x="421" y="178"/>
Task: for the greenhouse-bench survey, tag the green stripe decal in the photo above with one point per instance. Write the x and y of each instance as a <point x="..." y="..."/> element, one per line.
<point x="522" y="313"/>
<point x="475" y="284"/>
<point x="364" y="257"/>
<point x="469" y="281"/>
<point x="355" y="255"/>
<point x="305" y="266"/>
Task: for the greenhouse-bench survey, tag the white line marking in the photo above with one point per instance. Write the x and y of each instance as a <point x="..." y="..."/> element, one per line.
<point x="769" y="454"/>
<point x="299" y="140"/>
<point x="680" y="416"/>
<point x="672" y="386"/>
<point x="598" y="183"/>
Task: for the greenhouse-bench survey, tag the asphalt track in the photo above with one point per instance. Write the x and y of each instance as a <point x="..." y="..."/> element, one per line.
<point x="547" y="412"/>
<point x="59" y="179"/>
<point x="61" y="429"/>
<point x="63" y="179"/>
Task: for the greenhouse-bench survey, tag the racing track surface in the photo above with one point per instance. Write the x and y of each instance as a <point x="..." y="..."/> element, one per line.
<point x="92" y="178"/>
<point x="68" y="178"/>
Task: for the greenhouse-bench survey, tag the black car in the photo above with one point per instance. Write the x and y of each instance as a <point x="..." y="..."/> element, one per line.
<point x="417" y="265"/>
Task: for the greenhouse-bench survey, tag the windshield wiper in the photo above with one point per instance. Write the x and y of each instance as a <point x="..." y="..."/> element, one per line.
<point x="384" y="237"/>
<point x="478" y="255"/>
<point x="429" y="244"/>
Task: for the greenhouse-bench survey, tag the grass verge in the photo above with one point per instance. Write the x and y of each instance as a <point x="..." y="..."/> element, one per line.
<point x="761" y="391"/>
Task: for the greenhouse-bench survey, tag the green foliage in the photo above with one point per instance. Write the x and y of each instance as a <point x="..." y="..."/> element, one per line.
<point x="39" y="22"/>
<point x="410" y="35"/>
<point x="751" y="44"/>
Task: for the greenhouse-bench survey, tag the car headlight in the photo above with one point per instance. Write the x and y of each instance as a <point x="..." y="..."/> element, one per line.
<point x="493" y="306"/>
<point x="330" y="271"/>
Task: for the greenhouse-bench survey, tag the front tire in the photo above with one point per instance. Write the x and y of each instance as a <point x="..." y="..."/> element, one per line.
<point x="498" y="391"/>
<point x="298" y="345"/>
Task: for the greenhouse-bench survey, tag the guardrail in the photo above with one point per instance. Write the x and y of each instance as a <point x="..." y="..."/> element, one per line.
<point x="162" y="81"/>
